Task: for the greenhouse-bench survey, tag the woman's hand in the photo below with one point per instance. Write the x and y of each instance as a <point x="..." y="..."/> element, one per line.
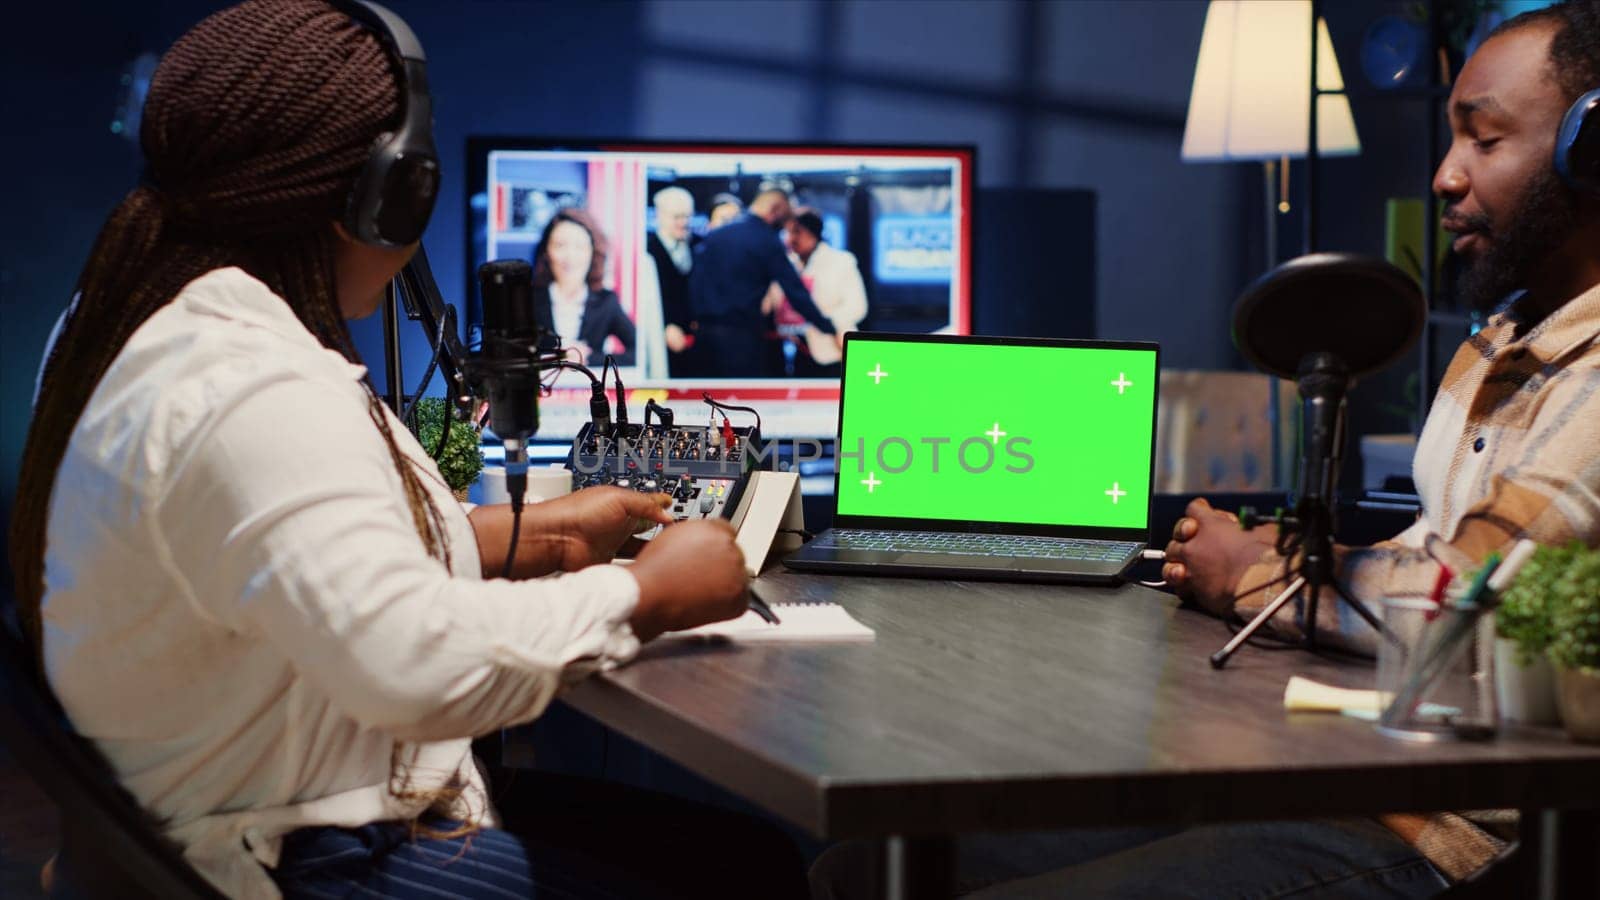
<point x="690" y="574"/>
<point x="595" y="522"/>
<point x="568" y="533"/>
<point x="1209" y="554"/>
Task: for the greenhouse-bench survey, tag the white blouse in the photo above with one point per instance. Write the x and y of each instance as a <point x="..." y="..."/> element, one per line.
<point x="240" y="614"/>
<point x="567" y="316"/>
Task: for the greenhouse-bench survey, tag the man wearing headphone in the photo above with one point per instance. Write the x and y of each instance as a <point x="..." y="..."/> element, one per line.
<point x="1511" y="450"/>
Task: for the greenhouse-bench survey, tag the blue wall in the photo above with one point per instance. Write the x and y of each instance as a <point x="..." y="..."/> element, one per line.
<point x="1086" y="94"/>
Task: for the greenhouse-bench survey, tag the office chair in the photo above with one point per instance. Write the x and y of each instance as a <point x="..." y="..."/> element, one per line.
<point x="110" y="846"/>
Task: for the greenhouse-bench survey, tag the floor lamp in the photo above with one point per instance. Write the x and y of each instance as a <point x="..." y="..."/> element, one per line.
<point x="1251" y="100"/>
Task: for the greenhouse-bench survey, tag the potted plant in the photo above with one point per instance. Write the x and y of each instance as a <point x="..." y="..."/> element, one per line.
<point x="1525" y="680"/>
<point x="461" y="460"/>
<point x="1575" y="649"/>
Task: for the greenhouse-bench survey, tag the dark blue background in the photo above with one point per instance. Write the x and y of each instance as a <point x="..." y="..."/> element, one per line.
<point x="1084" y="94"/>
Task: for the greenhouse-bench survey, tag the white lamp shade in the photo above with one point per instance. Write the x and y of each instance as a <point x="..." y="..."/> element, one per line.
<point x="1251" y="99"/>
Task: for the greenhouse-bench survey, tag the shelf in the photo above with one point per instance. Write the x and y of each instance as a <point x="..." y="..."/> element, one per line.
<point x="1404" y="91"/>
<point x="1434" y="94"/>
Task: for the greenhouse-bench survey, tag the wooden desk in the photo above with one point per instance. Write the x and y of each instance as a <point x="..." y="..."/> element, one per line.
<point x="999" y="706"/>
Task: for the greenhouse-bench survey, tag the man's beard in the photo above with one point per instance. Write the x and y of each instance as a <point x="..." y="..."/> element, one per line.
<point x="1549" y="213"/>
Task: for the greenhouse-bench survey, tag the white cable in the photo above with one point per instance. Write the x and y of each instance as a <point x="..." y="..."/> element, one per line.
<point x="1160" y="555"/>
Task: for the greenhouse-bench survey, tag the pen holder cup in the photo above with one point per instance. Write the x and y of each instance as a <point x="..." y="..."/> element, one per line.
<point x="1436" y="671"/>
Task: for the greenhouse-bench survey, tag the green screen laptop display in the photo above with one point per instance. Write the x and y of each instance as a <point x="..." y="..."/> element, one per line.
<point x="1042" y="435"/>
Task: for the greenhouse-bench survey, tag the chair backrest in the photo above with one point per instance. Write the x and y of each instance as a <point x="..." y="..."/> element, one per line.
<point x="105" y="819"/>
<point x="1214" y="433"/>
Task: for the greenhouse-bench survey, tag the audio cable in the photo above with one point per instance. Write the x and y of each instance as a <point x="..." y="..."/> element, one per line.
<point x="517" y="487"/>
<point x="662" y="413"/>
<point x="517" y="477"/>
<point x="622" y="396"/>
<point x="599" y="406"/>
<point x="1158" y="555"/>
<point x="726" y="407"/>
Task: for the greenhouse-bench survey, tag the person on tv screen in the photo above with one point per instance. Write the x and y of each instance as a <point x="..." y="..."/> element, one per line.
<point x="569" y="297"/>
<point x="736" y="264"/>
<point x="834" y="278"/>
<point x="724" y="209"/>
<point x="671" y="247"/>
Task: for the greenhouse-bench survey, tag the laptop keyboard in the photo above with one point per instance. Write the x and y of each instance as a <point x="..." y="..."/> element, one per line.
<point x="1002" y="545"/>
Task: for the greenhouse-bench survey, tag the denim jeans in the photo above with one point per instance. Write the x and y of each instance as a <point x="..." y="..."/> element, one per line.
<point x="564" y="837"/>
<point x="1336" y="858"/>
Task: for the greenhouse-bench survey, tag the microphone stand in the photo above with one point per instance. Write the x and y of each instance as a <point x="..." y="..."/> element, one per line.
<point x="423" y="303"/>
<point x="391" y="348"/>
<point x="414" y="290"/>
<point x="1323" y="381"/>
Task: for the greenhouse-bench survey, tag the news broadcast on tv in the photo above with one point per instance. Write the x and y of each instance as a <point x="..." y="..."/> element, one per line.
<point x="631" y="261"/>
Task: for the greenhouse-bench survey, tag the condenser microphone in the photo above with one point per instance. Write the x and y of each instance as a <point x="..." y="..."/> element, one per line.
<point x="510" y="374"/>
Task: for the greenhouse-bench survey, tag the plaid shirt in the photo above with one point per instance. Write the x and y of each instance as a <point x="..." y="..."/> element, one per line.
<point x="1511" y="450"/>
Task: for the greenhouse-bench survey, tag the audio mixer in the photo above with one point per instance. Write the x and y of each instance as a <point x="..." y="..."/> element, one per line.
<point x="702" y="467"/>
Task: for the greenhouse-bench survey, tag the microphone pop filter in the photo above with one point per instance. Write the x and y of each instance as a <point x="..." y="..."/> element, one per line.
<point x="1362" y="310"/>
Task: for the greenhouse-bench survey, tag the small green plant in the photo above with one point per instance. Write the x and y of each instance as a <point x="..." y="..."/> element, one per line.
<point x="1575" y="613"/>
<point x="1524" y="616"/>
<point x="462" y="459"/>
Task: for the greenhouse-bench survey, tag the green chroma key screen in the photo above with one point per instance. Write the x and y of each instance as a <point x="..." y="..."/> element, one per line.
<point x="1018" y="434"/>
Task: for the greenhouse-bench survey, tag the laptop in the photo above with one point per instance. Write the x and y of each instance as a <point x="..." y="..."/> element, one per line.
<point x="1026" y="459"/>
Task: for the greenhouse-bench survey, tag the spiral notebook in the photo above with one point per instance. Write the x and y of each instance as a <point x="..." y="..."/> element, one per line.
<point x="815" y="622"/>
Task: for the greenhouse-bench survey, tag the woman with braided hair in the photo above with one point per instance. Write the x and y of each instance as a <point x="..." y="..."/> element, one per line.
<point x="250" y="588"/>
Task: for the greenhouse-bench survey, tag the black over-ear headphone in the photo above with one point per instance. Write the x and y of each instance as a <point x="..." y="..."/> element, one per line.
<point x="395" y="191"/>
<point x="1578" y="144"/>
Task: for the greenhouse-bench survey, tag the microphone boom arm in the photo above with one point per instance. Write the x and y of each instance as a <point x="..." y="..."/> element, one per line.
<point x="423" y="303"/>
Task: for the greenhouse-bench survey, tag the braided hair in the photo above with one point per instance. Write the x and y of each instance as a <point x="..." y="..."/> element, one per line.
<point x="257" y="122"/>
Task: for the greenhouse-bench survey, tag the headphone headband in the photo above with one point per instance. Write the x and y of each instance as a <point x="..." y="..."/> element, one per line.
<point x="394" y="193"/>
<point x="389" y="27"/>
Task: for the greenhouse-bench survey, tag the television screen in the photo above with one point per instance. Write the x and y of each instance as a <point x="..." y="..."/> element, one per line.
<point x="712" y="267"/>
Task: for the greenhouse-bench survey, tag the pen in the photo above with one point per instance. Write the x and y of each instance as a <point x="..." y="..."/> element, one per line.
<point x="762" y="609"/>
<point x="1481" y="597"/>
<point x="1437" y="597"/>
<point x="1475" y="593"/>
<point x="1508" y="570"/>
